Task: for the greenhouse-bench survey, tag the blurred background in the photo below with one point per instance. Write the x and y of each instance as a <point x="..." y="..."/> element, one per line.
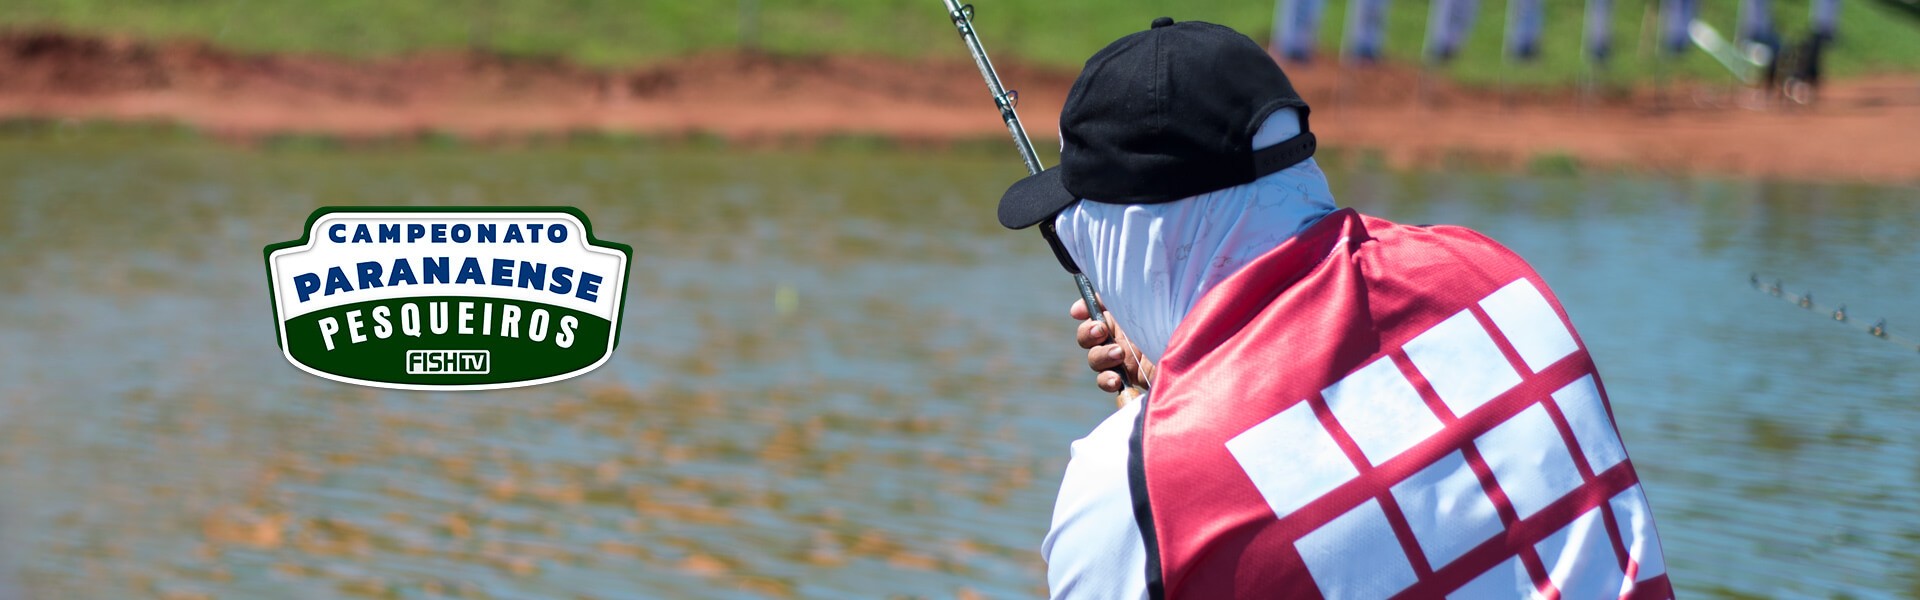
<point x="839" y="377"/>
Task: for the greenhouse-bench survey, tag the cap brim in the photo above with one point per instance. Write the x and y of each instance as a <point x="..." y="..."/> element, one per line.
<point x="1034" y="199"/>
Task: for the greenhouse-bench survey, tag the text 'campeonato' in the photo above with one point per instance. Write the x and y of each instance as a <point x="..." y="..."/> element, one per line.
<point x="441" y="233"/>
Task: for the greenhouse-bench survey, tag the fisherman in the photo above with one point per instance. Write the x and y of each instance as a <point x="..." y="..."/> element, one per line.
<point x="1344" y="406"/>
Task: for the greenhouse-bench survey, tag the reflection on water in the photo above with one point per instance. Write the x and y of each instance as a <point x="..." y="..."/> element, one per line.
<point x="896" y="428"/>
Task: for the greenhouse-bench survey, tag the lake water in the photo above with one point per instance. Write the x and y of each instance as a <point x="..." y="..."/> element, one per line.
<point x="898" y="432"/>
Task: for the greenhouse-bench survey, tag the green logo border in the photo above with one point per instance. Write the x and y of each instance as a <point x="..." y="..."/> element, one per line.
<point x="306" y="235"/>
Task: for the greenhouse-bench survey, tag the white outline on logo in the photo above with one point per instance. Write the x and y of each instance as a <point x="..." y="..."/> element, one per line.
<point x="313" y="237"/>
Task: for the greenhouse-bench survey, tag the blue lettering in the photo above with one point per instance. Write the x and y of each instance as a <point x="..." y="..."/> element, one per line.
<point x="513" y="236"/>
<point x="389" y="233"/>
<point x="533" y="276"/>
<point x="557" y="233"/>
<point x="589" y="288"/>
<point x="369" y="274"/>
<point x="470" y="272"/>
<point x="414" y="231"/>
<point x="337" y="281"/>
<point x="402" y="270"/>
<point x="533" y="231"/>
<point x="562" y="280"/>
<point x="337" y="233"/>
<point x="502" y="272"/>
<point x="487" y="231"/>
<point x="361" y="235"/>
<point x="437" y="270"/>
<point x="305" y="284"/>
<point x="462" y="232"/>
<point x="439" y="233"/>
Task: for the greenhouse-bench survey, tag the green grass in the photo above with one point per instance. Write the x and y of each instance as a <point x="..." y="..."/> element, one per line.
<point x="1874" y="38"/>
<point x="1555" y="164"/>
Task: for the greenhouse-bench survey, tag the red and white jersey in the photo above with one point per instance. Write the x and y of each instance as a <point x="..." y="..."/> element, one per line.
<point x="1374" y="410"/>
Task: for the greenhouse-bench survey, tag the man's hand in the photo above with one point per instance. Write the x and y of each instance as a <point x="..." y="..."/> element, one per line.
<point x="1105" y="353"/>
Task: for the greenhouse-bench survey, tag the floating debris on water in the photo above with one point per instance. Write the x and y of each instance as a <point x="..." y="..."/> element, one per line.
<point x="1805" y="300"/>
<point x="786" y="300"/>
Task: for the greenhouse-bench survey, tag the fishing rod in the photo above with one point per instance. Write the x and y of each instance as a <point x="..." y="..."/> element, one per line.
<point x="1805" y="300"/>
<point x="1005" y="100"/>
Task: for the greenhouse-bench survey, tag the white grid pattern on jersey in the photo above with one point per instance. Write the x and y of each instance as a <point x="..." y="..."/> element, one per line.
<point x="1461" y="362"/>
<point x="1330" y="553"/>
<point x="1580" y="560"/>
<point x="1630" y="511"/>
<point x="1580" y="403"/>
<point x="1446" y="509"/>
<point x="1506" y="580"/>
<point x="1523" y="314"/>
<point x="1291" y="459"/>
<point x="1529" y="459"/>
<point x="1380" y="410"/>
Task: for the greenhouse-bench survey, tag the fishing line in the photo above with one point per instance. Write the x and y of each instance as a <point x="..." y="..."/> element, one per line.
<point x="1877" y="328"/>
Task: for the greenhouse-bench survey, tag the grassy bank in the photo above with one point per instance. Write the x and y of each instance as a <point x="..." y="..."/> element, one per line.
<point x="1874" y="38"/>
<point x="71" y="134"/>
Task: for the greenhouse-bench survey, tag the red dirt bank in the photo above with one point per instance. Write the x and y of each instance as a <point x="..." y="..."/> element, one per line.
<point x="1863" y="130"/>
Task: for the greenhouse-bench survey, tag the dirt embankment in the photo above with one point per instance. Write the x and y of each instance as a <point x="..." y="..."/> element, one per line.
<point x="1862" y="130"/>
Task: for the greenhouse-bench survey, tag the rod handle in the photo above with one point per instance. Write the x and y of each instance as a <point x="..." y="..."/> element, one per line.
<point x="1133" y="389"/>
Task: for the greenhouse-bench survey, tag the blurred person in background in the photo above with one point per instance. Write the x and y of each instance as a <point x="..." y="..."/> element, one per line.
<point x="1803" y="83"/>
<point x="1343" y="406"/>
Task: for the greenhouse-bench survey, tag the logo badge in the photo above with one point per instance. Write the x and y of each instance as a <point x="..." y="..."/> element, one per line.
<point x="475" y="298"/>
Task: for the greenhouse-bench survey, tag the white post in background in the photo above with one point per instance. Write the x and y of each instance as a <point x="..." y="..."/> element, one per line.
<point x="1596" y="44"/>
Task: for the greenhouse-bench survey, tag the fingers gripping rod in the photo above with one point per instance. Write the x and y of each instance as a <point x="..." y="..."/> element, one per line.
<point x="962" y="16"/>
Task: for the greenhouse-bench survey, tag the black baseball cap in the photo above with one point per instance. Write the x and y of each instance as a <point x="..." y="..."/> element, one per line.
<point x="1160" y="115"/>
